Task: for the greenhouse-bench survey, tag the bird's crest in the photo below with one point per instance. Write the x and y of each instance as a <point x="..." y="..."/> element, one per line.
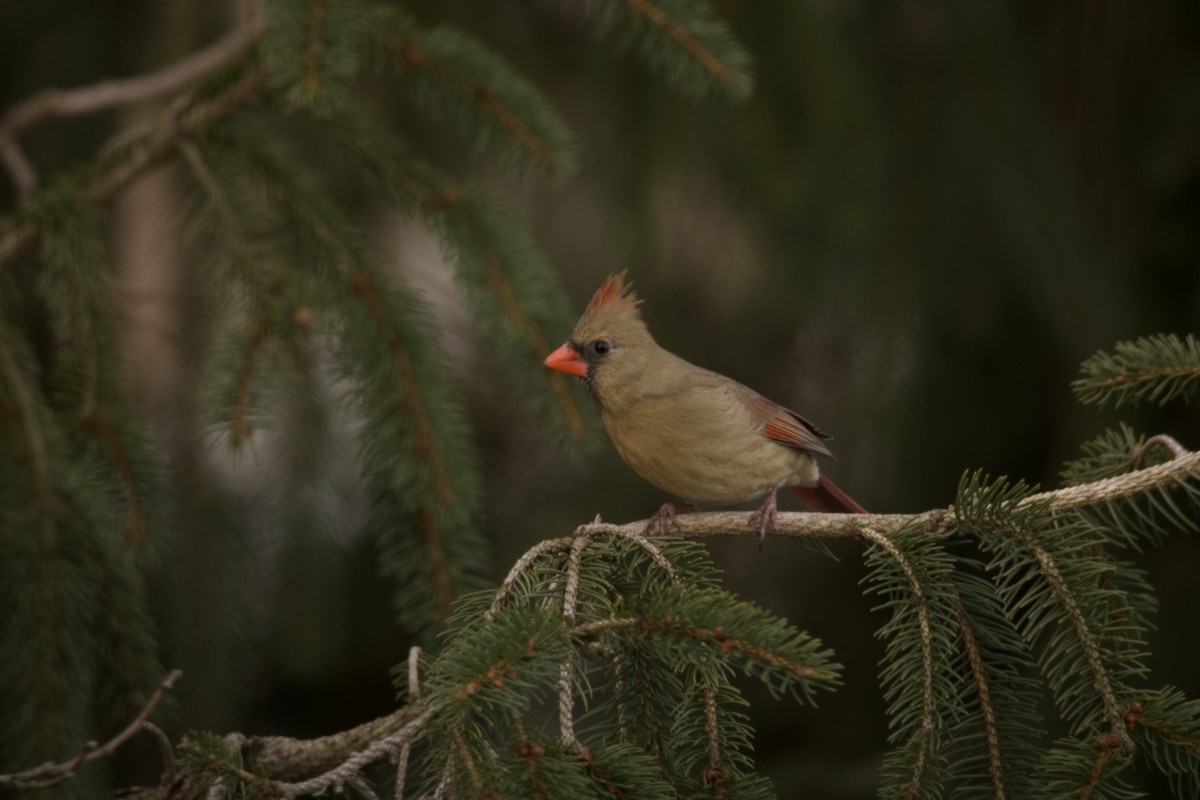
<point x="614" y="293"/>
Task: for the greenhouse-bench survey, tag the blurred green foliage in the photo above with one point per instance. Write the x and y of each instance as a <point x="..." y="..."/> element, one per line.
<point x="913" y="231"/>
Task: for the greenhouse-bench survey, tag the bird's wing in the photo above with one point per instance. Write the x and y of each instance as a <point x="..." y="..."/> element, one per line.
<point x="784" y="426"/>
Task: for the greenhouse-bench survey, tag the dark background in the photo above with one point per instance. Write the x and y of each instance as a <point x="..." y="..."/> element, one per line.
<point x="920" y="223"/>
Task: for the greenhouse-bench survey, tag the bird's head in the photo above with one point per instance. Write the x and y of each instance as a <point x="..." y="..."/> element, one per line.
<point x="610" y="345"/>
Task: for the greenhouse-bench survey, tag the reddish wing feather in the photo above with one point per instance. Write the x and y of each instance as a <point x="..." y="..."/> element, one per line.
<point x="786" y="427"/>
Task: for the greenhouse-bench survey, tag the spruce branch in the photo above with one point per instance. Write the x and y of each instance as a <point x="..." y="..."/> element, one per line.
<point x="364" y="289"/>
<point x="240" y="428"/>
<point x="113" y="93"/>
<point x="657" y="17"/>
<point x="27" y="406"/>
<point x="480" y="78"/>
<point x="520" y="318"/>
<point x="511" y="289"/>
<point x="681" y="39"/>
<point x="1167" y="727"/>
<point x="1083" y="632"/>
<point x="979" y="677"/>
<point x="97" y="421"/>
<point x="927" y="730"/>
<point x="54" y="773"/>
<point x="1156" y="369"/>
<point x="438" y="565"/>
<point x="938" y="521"/>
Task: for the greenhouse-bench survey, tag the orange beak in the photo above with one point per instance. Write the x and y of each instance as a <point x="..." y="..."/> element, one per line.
<point x="565" y="359"/>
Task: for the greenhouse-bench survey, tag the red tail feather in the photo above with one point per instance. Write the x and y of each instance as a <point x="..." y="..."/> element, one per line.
<point x="828" y="498"/>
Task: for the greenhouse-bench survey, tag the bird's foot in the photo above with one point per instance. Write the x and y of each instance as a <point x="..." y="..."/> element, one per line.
<point x="662" y="521"/>
<point x="766" y="518"/>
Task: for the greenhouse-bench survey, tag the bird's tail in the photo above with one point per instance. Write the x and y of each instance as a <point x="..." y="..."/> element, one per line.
<point x="827" y="497"/>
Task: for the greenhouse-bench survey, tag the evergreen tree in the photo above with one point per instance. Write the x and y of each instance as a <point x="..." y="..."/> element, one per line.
<point x="606" y="663"/>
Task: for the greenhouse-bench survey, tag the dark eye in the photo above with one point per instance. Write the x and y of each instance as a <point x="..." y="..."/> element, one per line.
<point x="598" y="348"/>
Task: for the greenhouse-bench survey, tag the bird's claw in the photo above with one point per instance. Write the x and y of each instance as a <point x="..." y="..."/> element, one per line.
<point x="766" y="518"/>
<point x="667" y="517"/>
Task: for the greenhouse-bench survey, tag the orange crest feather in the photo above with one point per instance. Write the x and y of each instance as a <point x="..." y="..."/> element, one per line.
<point x="614" y="291"/>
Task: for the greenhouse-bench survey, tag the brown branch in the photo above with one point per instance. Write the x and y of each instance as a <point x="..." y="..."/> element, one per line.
<point x="53" y="773"/>
<point x="151" y="147"/>
<point x="110" y="94"/>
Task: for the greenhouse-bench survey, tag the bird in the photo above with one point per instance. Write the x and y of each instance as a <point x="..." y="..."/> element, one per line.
<point x="695" y="434"/>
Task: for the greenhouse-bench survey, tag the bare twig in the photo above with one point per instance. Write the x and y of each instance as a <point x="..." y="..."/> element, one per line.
<point x="711" y="728"/>
<point x="523" y="563"/>
<point x="566" y="704"/>
<point x="414" y="695"/>
<point x="53" y="773"/>
<point x="110" y="94"/>
<point x="336" y="778"/>
<point x="285" y="758"/>
<point x="809" y="525"/>
<point x="1184" y="465"/>
<point x="167" y="749"/>
<point x="795" y="524"/>
<point x="1159" y="440"/>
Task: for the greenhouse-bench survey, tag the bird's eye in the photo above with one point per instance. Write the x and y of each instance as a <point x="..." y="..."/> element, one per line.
<point x="599" y="348"/>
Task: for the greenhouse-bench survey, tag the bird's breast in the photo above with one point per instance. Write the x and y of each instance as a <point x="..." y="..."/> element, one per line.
<point x="700" y="446"/>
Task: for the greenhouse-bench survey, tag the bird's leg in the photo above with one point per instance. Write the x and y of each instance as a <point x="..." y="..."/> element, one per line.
<point x="766" y="517"/>
<point x="662" y="521"/>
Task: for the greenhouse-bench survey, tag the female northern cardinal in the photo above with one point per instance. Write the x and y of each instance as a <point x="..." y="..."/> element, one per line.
<point x="698" y="435"/>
